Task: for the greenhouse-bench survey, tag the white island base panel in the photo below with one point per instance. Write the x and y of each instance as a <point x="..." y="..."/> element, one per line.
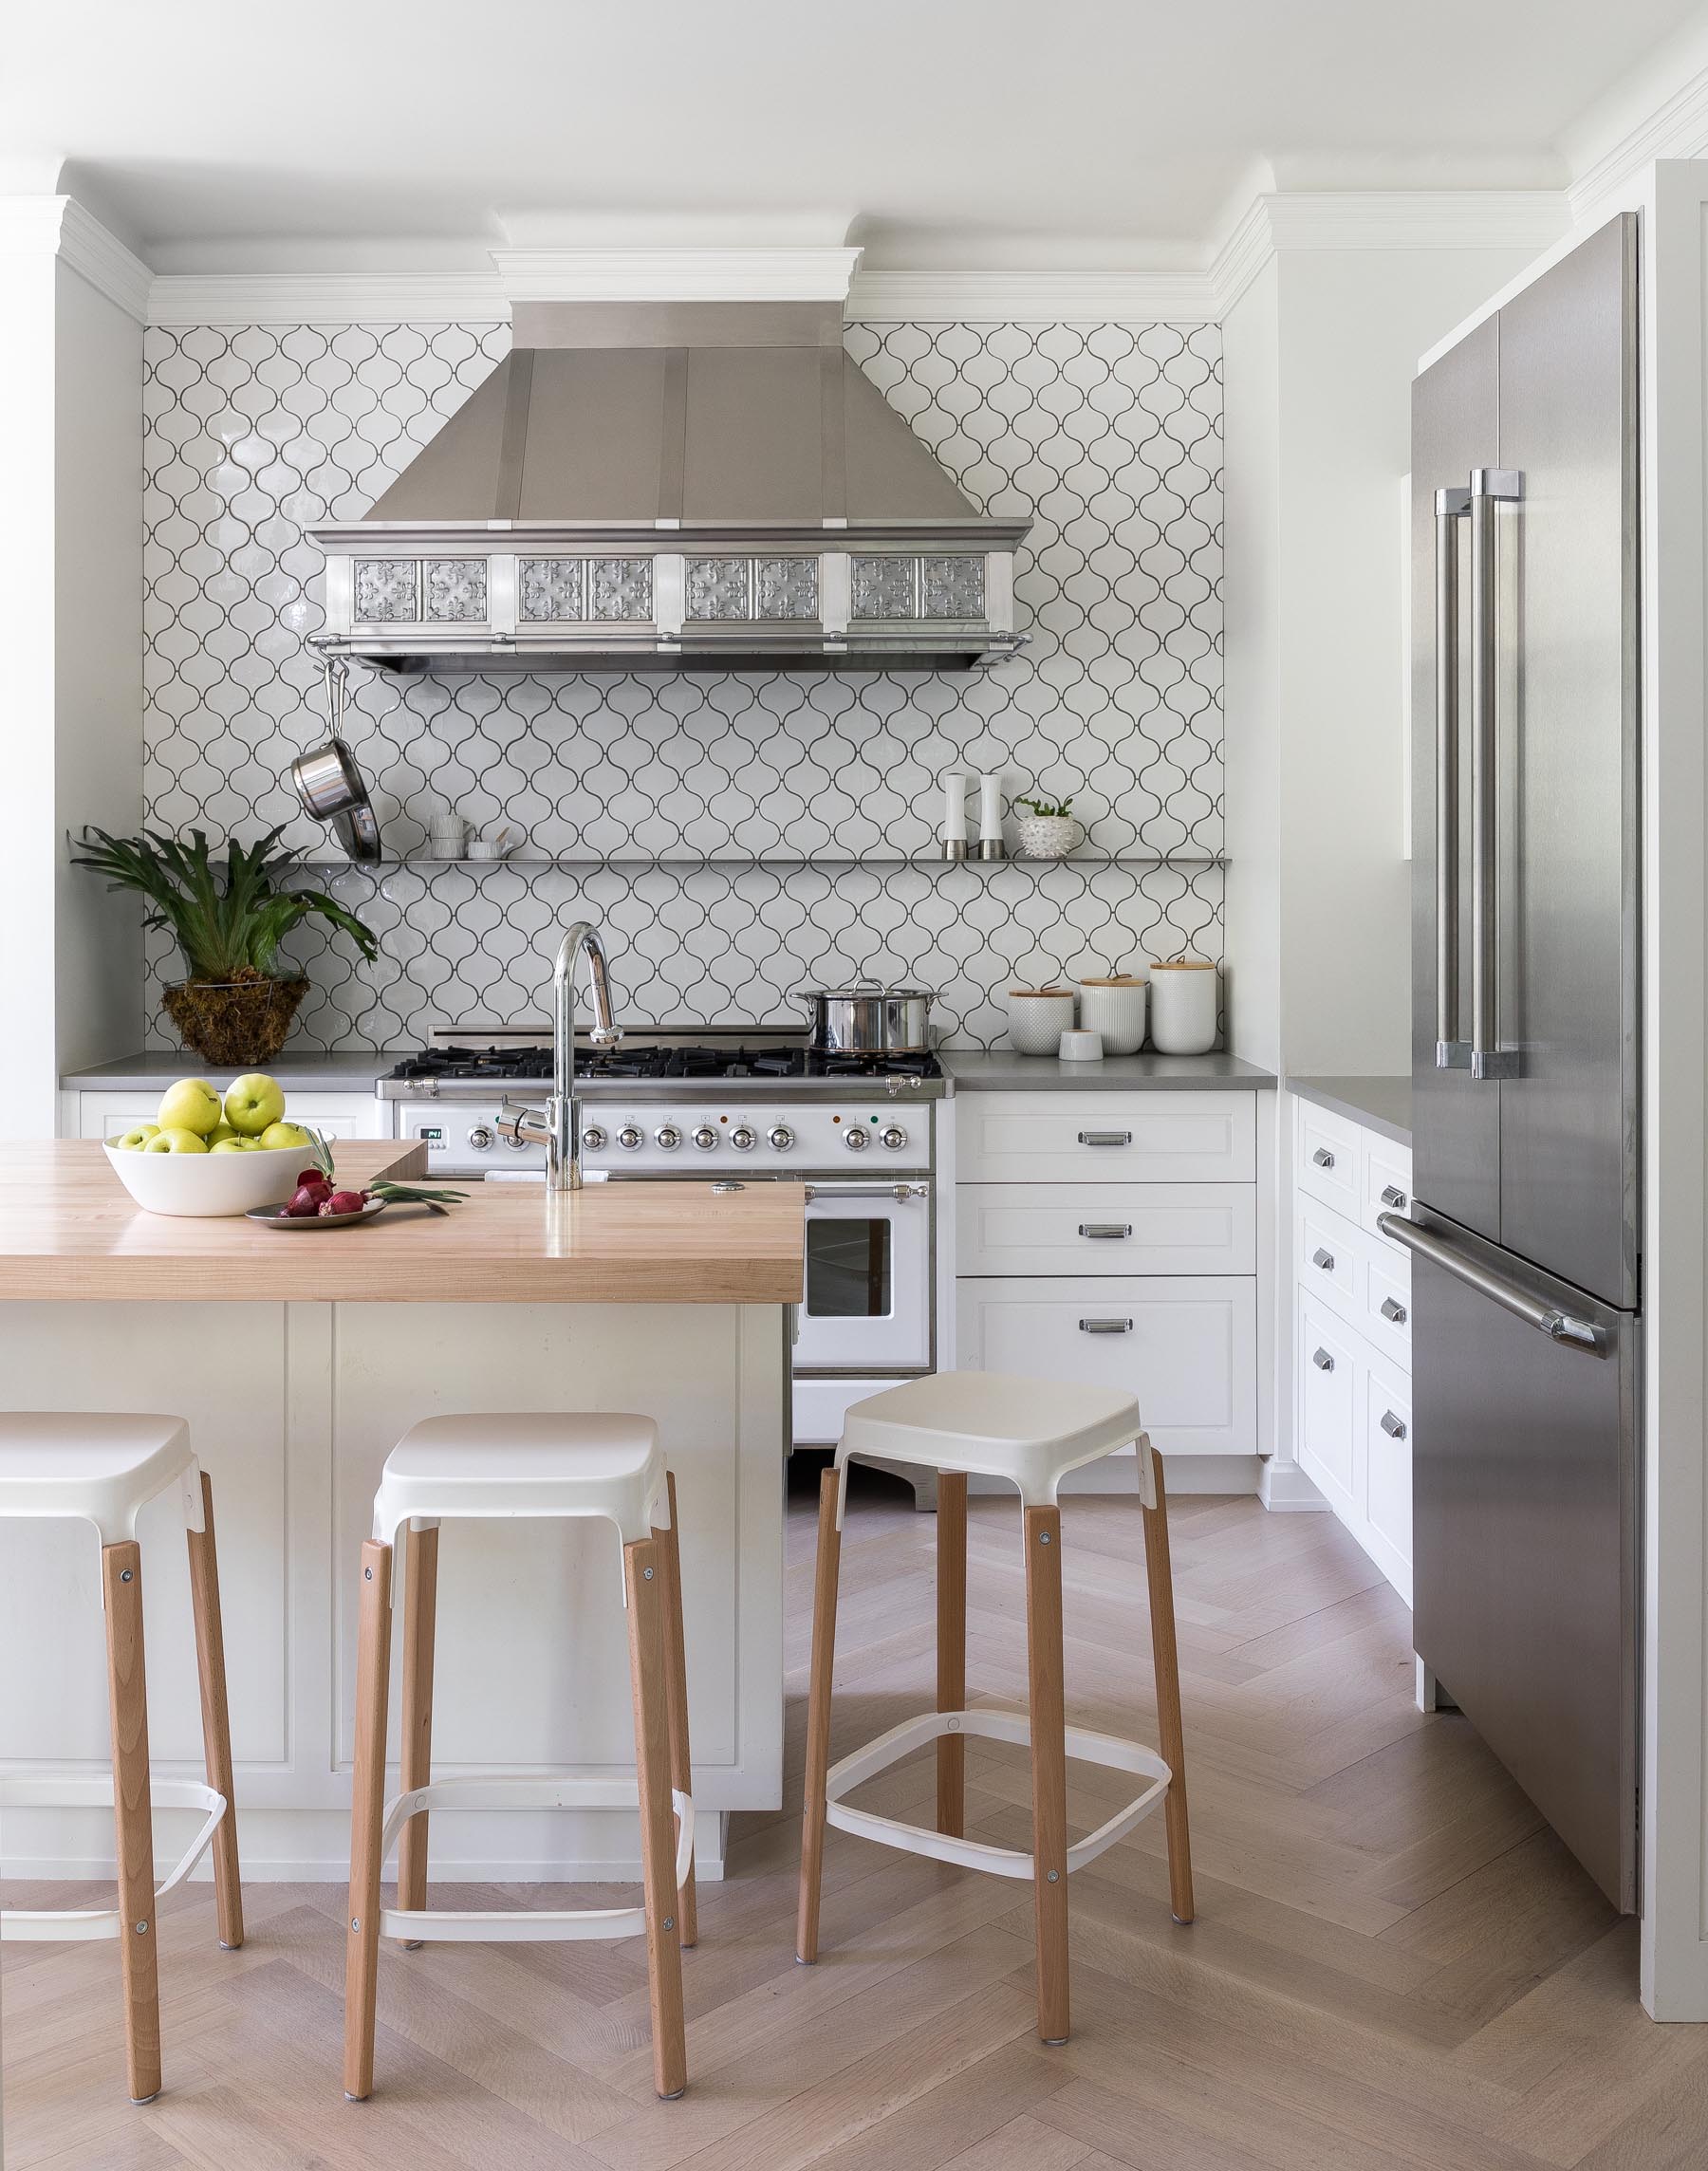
<point x="292" y="1410"/>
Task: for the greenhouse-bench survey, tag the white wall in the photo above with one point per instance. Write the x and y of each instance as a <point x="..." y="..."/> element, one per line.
<point x="1320" y="354"/>
<point x="70" y="676"/>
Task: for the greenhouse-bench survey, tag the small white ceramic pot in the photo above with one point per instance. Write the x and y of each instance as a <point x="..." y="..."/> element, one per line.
<point x="1184" y="1001"/>
<point x="1080" y="1047"/>
<point x="1037" y="1018"/>
<point x="1046" y="836"/>
<point x="1115" y="1008"/>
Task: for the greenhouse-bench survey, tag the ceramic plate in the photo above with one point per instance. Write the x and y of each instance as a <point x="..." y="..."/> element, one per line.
<point x="275" y="1217"/>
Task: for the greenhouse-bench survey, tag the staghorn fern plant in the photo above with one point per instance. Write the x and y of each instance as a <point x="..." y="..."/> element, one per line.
<point x="227" y="933"/>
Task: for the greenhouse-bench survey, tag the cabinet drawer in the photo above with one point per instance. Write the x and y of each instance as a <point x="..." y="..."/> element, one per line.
<point x="1187" y="1347"/>
<point x="1326" y="1157"/>
<point x="1366" y="1273"/>
<point x="1387" y="1182"/>
<point x="340" y="1115"/>
<point x="1106" y="1229"/>
<point x="1387" y="1457"/>
<point x="1327" y="1373"/>
<point x="1107" y="1138"/>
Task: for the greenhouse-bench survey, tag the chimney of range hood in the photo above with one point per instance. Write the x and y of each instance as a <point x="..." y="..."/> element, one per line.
<point x="661" y="485"/>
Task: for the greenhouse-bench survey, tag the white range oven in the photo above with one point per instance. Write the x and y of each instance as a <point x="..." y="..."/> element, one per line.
<point x="859" y="1136"/>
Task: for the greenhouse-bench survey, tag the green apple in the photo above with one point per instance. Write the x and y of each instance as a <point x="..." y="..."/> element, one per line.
<point x="232" y="1143"/>
<point x="252" y="1102"/>
<point x="136" y="1138"/>
<point x="277" y="1135"/>
<point x="220" y="1133"/>
<point x="192" y="1104"/>
<point x="177" y="1137"/>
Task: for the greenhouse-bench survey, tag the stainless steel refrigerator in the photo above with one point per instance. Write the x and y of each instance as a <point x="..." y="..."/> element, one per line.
<point x="1524" y="1229"/>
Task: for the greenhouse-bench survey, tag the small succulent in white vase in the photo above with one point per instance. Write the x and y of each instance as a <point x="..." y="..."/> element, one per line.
<point x="1048" y="831"/>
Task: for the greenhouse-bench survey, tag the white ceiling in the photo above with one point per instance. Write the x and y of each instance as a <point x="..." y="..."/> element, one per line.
<point x="1112" y="134"/>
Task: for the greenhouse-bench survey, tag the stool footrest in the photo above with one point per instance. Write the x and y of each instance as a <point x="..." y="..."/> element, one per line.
<point x="524" y="1790"/>
<point x="991" y="1724"/>
<point x="79" y="1925"/>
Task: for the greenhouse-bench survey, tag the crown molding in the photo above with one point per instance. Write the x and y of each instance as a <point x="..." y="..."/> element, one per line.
<point x="59" y="226"/>
<point x="647" y="274"/>
<point x="1677" y="128"/>
<point x="1049" y="297"/>
<point x="327" y="298"/>
<point x="1278" y="222"/>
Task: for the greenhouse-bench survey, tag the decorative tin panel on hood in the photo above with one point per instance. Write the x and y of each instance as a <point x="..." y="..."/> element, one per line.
<point x="672" y="485"/>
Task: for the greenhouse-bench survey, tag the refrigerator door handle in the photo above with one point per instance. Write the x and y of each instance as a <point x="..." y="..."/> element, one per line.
<point x="1546" y="1318"/>
<point x="1451" y="506"/>
<point x="1488" y="486"/>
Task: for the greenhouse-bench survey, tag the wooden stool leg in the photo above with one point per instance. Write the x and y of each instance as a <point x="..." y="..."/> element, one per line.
<point x="367" y="1813"/>
<point x="818" y="1719"/>
<point x="133" y="1815"/>
<point x="216" y="1717"/>
<point x="1171" y="1738"/>
<point x="1042" y="1533"/>
<point x="644" y="1580"/>
<point x="952" y="1648"/>
<point x="420" y="1616"/>
<point x="676" y="1687"/>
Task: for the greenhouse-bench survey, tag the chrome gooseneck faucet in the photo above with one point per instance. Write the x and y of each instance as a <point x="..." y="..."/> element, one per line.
<point x="559" y="1127"/>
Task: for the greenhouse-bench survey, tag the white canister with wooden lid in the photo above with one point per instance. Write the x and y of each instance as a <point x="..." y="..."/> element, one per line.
<point x="1037" y="1017"/>
<point x="1183" y="1002"/>
<point x="1115" y="1008"/>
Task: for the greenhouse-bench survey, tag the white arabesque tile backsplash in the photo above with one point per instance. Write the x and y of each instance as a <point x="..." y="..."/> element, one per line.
<point x="1109" y="436"/>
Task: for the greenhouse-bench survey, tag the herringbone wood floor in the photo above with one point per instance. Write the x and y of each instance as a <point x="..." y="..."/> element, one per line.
<point x="1394" y="1964"/>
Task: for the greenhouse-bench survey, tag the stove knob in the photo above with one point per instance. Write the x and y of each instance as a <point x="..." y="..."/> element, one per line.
<point x="894" y="1138"/>
<point x="705" y="1137"/>
<point x="593" y="1138"/>
<point x="781" y="1137"/>
<point x="743" y="1139"/>
<point x="857" y="1138"/>
<point x="668" y="1137"/>
<point x="631" y="1138"/>
<point x="518" y="1145"/>
<point x="480" y="1138"/>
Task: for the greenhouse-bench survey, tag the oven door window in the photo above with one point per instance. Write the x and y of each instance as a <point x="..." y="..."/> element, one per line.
<point x="850" y="1269"/>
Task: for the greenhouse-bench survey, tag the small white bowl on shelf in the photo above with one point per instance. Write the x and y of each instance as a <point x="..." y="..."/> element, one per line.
<point x="208" y="1186"/>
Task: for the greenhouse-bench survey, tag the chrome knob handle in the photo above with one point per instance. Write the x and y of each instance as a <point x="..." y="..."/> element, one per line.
<point x="1322" y="1359"/>
<point x="1392" y="1309"/>
<point x="781" y="1137"/>
<point x="894" y="1136"/>
<point x="1322" y="1157"/>
<point x="1324" y="1259"/>
<point x="668" y="1137"/>
<point x="480" y="1138"/>
<point x="856" y="1138"/>
<point x="593" y="1138"/>
<point x="744" y="1138"/>
<point x="631" y="1138"/>
<point x="705" y="1137"/>
<point x="1392" y="1196"/>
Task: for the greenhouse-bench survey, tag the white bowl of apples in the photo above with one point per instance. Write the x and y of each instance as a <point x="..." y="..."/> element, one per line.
<point x="211" y="1153"/>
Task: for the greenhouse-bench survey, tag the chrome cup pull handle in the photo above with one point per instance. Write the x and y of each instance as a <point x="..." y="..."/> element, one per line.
<point x="1105" y="1138"/>
<point x="1393" y="1311"/>
<point x="1322" y="1359"/>
<point x="1324" y="1258"/>
<point x="1105" y="1326"/>
<point x="1393" y="1426"/>
<point x="1114" y="1230"/>
<point x="1322" y="1157"/>
<point x="1392" y="1196"/>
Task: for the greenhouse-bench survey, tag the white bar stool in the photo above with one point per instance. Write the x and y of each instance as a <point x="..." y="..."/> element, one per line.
<point x="103" y="1470"/>
<point x="1030" y="1432"/>
<point x="605" y="1466"/>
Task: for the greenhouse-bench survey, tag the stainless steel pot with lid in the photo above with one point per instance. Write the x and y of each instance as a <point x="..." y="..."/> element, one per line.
<point x="868" y="1019"/>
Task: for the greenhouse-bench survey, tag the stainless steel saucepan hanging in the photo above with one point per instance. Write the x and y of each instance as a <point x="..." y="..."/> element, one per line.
<point x="867" y="1018"/>
<point x="329" y="782"/>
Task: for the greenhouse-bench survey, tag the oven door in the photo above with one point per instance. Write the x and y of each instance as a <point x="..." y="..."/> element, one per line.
<point x="867" y="1302"/>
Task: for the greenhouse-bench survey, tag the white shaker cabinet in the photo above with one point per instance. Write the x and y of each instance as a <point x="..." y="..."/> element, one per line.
<point x="339" y="1115"/>
<point x="1113" y="1236"/>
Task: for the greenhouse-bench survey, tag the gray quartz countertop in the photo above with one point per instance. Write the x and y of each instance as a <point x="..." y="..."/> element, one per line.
<point x="1381" y="1105"/>
<point x="154" y="1070"/>
<point x="1001" y="1070"/>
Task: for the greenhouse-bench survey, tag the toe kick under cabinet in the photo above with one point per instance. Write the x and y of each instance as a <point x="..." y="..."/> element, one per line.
<point x="1113" y="1236"/>
<point x="1352" y="1331"/>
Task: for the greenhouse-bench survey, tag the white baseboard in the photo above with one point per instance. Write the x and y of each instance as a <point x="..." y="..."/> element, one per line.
<point x="1284" y="1490"/>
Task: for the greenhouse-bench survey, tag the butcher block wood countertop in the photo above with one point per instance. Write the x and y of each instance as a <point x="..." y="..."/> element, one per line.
<point x="69" y="1230"/>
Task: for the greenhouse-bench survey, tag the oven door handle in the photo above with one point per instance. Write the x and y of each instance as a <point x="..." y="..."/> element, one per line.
<point x="895" y="1191"/>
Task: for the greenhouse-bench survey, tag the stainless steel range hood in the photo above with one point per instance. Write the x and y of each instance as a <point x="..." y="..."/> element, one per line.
<point x="667" y="485"/>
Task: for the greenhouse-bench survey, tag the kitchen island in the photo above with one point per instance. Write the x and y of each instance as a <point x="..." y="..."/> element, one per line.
<point x="298" y="1358"/>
